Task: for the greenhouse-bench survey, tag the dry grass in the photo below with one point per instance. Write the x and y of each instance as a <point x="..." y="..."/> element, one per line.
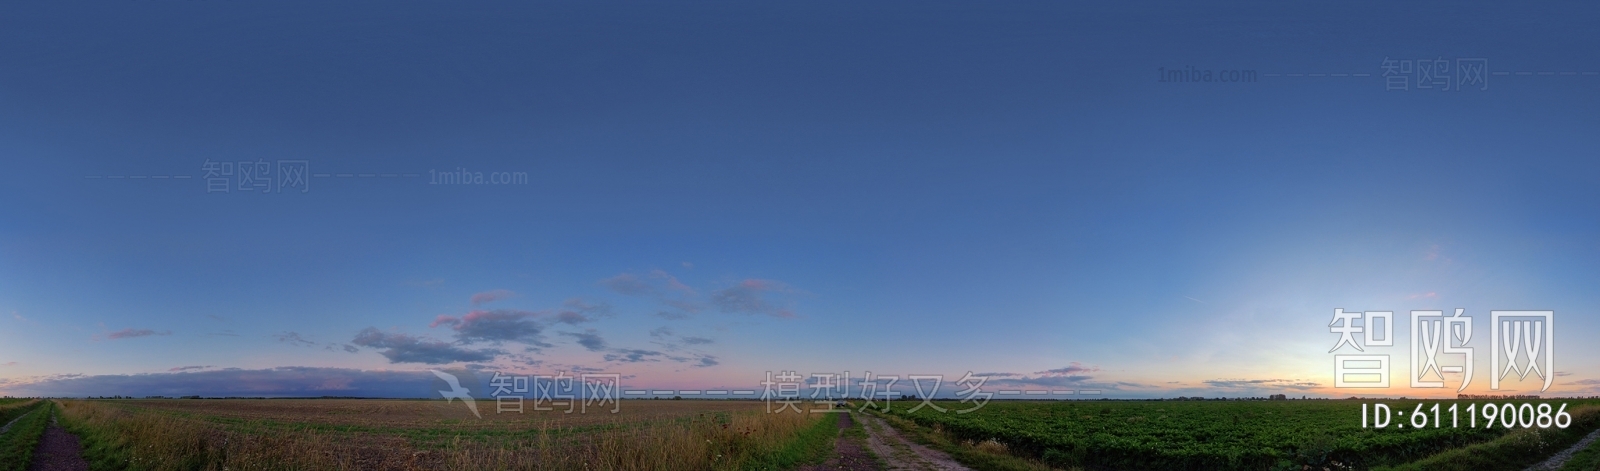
<point x="12" y="408"/>
<point x="990" y="446"/>
<point x="376" y="434"/>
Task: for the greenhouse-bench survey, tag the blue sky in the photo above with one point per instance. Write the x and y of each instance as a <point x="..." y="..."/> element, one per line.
<point x="717" y="190"/>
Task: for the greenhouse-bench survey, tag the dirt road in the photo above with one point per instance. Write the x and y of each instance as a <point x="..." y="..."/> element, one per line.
<point x="900" y="453"/>
<point x="849" y="452"/>
<point x="58" y="451"/>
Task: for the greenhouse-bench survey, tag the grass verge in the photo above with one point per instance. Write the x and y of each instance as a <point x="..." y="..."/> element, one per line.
<point x="10" y="409"/>
<point x="16" y="446"/>
<point x="1514" y="451"/>
<point x="811" y="446"/>
<point x="1587" y="459"/>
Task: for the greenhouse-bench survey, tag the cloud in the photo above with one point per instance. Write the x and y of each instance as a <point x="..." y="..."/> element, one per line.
<point x="1073" y="375"/>
<point x="671" y="282"/>
<point x="659" y="285"/>
<point x="1432" y="253"/>
<point x="589" y="339"/>
<point x="707" y="361"/>
<point x="499" y="325"/>
<point x="1426" y="295"/>
<point x="224" y="333"/>
<point x="666" y="334"/>
<point x="1586" y="382"/>
<point x="654" y="283"/>
<point x="629" y="284"/>
<point x="436" y="282"/>
<point x="688" y="265"/>
<point x="351" y="348"/>
<point x="632" y="356"/>
<point x="1259" y="383"/>
<point x="187" y="368"/>
<point x="130" y="332"/>
<point x="577" y="311"/>
<point x="402" y="348"/>
<point x="672" y="316"/>
<point x="683" y="305"/>
<point x="578" y="304"/>
<point x="572" y="318"/>
<point x="216" y="317"/>
<point x="1073" y="368"/>
<point x="270" y="382"/>
<point x="9" y="363"/>
<point x="1047" y="381"/>
<point x="293" y="338"/>
<point x="491" y="296"/>
<point x="749" y="297"/>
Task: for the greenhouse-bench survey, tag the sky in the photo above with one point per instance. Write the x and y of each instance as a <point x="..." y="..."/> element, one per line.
<point x="1142" y="199"/>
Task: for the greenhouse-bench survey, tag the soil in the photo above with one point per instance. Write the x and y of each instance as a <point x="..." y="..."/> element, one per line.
<point x="58" y="451"/>
<point x="900" y="453"/>
<point x="848" y="453"/>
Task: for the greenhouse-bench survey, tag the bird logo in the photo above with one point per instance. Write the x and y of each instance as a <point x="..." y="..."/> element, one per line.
<point x="456" y="391"/>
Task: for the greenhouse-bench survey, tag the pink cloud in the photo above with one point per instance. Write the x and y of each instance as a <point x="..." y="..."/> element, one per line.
<point x="491" y="296"/>
<point x="444" y="320"/>
<point x="1429" y="294"/>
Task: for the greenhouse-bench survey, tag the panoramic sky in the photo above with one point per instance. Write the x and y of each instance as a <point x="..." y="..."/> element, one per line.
<point x="1144" y="199"/>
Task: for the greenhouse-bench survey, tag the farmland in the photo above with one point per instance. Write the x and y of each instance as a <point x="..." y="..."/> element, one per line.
<point x="402" y="434"/>
<point x="206" y="434"/>
<point x="1234" y="434"/>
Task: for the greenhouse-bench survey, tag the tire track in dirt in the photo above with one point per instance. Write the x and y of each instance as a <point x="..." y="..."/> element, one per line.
<point x="900" y="453"/>
<point x="1555" y="462"/>
<point x="7" y="427"/>
<point x="847" y="453"/>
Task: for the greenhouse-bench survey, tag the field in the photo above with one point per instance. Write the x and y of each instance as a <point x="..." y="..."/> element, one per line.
<point x="1241" y="434"/>
<point x="399" y="434"/>
<point x="246" y="434"/>
<point x="21" y="421"/>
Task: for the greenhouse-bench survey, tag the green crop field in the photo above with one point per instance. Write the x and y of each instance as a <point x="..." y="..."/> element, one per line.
<point x="1284" y="434"/>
